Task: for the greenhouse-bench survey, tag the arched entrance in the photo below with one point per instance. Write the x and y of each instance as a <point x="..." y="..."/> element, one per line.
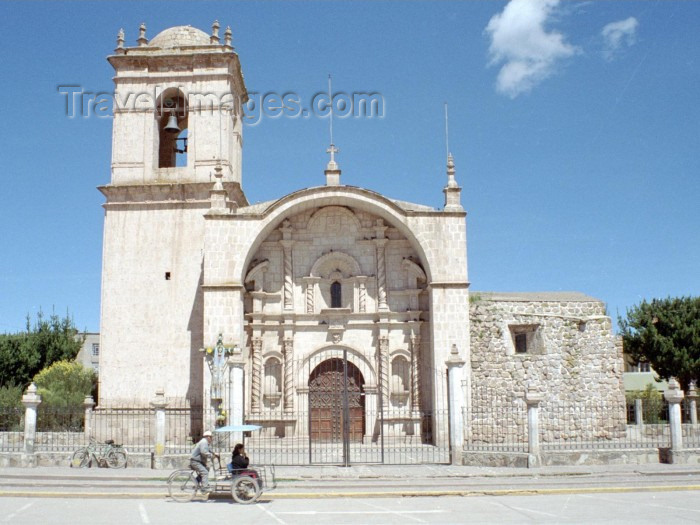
<point x="336" y="402"/>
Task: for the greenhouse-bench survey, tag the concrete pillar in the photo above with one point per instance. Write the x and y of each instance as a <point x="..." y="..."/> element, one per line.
<point x="236" y="392"/>
<point x="31" y="400"/>
<point x="674" y="396"/>
<point x="89" y="405"/>
<point x="302" y="429"/>
<point x="533" y="398"/>
<point x="455" y="398"/>
<point x="693" y="398"/>
<point x="638" y="412"/>
<point x="159" y="403"/>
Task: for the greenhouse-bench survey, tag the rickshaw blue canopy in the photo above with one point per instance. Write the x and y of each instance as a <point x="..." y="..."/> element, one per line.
<point x="238" y="428"/>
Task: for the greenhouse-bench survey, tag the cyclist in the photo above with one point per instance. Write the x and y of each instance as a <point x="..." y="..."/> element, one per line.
<point x="200" y="456"/>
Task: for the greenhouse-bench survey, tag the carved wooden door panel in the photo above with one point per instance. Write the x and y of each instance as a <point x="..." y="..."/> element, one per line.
<point x="328" y="394"/>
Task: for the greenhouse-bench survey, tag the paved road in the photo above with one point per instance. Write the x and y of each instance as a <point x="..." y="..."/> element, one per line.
<point x="651" y="507"/>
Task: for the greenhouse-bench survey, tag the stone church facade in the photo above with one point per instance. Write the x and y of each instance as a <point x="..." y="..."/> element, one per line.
<point x="330" y="287"/>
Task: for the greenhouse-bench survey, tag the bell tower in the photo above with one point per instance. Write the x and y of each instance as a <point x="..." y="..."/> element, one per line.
<point x="178" y="102"/>
<point x="176" y="141"/>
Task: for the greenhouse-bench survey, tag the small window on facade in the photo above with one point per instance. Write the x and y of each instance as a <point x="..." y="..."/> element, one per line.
<point x="336" y="295"/>
<point x="526" y="339"/>
<point x="95" y="349"/>
<point x="644" y="367"/>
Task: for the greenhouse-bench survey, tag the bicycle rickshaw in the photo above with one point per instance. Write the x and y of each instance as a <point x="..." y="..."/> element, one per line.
<point x="245" y="485"/>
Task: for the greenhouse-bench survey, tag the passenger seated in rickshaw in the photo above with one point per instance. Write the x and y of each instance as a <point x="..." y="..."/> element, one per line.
<point x="239" y="464"/>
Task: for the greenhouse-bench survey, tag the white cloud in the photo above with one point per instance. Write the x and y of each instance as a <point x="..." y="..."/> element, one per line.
<point x="615" y="34"/>
<point x="528" y="51"/>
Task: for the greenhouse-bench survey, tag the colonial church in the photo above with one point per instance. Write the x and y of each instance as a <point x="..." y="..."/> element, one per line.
<point x="332" y="310"/>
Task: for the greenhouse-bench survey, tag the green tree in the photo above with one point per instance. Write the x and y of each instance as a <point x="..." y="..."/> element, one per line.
<point x="65" y="384"/>
<point x="24" y="354"/>
<point x="666" y="334"/>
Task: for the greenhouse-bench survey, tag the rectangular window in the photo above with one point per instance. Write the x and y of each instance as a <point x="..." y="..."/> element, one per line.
<point x="526" y="339"/>
<point x="521" y="343"/>
<point x="644" y="367"/>
<point x="95" y="349"/>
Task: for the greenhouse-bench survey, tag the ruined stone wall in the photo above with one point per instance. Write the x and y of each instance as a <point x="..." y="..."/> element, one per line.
<point x="570" y="357"/>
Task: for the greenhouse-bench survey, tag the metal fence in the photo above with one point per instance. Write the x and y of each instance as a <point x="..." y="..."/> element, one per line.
<point x="592" y="425"/>
<point x="498" y="425"/>
<point x="11" y="428"/>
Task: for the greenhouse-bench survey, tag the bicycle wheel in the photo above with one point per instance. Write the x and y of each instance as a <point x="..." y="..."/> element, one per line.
<point x="245" y="490"/>
<point x="81" y="458"/>
<point x="116" y="458"/>
<point x="182" y="485"/>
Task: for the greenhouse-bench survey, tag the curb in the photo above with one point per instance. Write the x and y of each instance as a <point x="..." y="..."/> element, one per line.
<point x="385" y="494"/>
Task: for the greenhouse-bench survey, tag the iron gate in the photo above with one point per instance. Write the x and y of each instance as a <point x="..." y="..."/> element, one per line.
<point x="346" y="410"/>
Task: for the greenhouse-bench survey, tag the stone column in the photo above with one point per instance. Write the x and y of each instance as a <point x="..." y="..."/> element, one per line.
<point x="381" y="274"/>
<point x="370" y="413"/>
<point x="455" y="399"/>
<point x="361" y="293"/>
<point x="310" y="294"/>
<point x="383" y="368"/>
<point x="256" y="351"/>
<point x="674" y="396"/>
<point x="89" y="405"/>
<point x="159" y="403"/>
<point x="237" y="392"/>
<point x="31" y="400"/>
<point x="639" y="412"/>
<point x="287" y="242"/>
<point x="302" y="428"/>
<point x="288" y="374"/>
<point x="415" y="373"/>
<point x="533" y="399"/>
<point x="693" y="405"/>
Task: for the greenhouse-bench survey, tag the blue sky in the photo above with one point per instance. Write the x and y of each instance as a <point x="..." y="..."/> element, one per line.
<point x="575" y="128"/>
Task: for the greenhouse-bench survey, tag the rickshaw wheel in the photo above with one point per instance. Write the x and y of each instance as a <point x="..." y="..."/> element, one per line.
<point x="245" y="490"/>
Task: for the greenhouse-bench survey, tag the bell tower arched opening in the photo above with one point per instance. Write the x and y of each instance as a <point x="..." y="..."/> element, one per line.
<point x="171" y="114"/>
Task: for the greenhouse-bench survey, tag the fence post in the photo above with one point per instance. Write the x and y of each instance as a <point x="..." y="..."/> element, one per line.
<point x="533" y="399"/>
<point x="638" y="412"/>
<point x="89" y="404"/>
<point x="237" y="365"/>
<point x="674" y="396"/>
<point x="693" y="397"/>
<point x="159" y="403"/>
<point x="31" y="401"/>
<point x="456" y="405"/>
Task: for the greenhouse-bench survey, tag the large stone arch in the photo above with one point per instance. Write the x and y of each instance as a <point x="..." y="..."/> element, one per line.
<point x="325" y="352"/>
<point x="313" y="198"/>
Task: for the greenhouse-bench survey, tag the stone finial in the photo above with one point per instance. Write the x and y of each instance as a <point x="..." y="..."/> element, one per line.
<point x="159" y="400"/>
<point x="453" y="193"/>
<point x="228" y="38"/>
<point x="455" y="359"/>
<point x="674" y="394"/>
<point x="533" y="396"/>
<point x="142" y="40"/>
<point x="89" y="402"/>
<point x="332" y="170"/>
<point x="214" y="39"/>
<point x="692" y="390"/>
<point x="31" y="398"/>
<point x="120" y="42"/>
<point x="218" y="197"/>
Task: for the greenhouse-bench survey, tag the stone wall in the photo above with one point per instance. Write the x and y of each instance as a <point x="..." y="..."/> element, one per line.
<point x="569" y="356"/>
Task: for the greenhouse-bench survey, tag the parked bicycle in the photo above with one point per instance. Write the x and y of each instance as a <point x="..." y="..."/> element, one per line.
<point x="107" y="454"/>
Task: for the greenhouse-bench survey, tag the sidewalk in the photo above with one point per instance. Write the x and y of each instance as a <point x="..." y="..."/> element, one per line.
<point x="364" y="480"/>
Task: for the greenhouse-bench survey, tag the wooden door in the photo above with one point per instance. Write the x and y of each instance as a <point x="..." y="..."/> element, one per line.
<point x="332" y="384"/>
